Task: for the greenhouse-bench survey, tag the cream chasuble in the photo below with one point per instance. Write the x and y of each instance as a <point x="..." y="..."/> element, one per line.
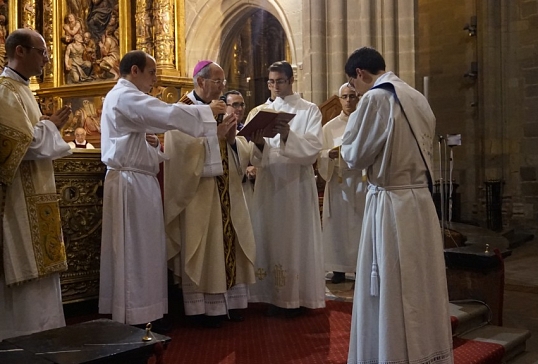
<point x="32" y="243"/>
<point x="207" y="222"/>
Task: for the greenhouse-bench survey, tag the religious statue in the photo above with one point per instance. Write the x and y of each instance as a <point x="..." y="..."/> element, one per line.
<point x="71" y="27"/>
<point x="78" y="69"/>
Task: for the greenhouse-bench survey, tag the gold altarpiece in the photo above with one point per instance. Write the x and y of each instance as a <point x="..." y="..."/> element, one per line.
<point x="85" y="41"/>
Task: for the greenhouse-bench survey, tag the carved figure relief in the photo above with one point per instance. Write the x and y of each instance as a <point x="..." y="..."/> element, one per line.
<point x="86" y="113"/>
<point x="3" y="32"/>
<point x="28" y="14"/>
<point x="78" y="69"/>
<point x="91" y="38"/>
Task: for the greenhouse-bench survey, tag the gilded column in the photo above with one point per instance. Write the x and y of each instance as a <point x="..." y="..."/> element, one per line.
<point x="144" y="26"/>
<point x="28" y="14"/>
<point x="48" y="35"/>
<point x="163" y="27"/>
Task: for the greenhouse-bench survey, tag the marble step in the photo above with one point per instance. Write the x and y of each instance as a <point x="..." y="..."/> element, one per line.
<point x="467" y="316"/>
<point x="513" y="340"/>
<point x="525" y="358"/>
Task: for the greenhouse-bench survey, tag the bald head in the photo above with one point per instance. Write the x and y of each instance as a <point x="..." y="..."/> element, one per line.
<point x="80" y="135"/>
<point x="19" y="37"/>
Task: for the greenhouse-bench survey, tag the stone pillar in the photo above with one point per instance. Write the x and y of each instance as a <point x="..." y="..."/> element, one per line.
<point x="336" y="45"/>
<point x="314" y="61"/>
<point x="360" y="25"/>
<point x="387" y="33"/>
<point x="404" y="36"/>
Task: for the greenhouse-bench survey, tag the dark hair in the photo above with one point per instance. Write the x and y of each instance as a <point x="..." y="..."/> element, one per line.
<point x="19" y="37"/>
<point x="282" y="67"/>
<point x="365" y="58"/>
<point x="133" y="58"/>
<point x="231" y="92"/>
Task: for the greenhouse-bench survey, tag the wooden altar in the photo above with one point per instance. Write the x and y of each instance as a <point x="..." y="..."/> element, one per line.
<point x="79" y="184"/>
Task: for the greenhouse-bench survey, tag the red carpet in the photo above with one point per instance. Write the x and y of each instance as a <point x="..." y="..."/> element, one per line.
<point x="470" y="351"/>
<point x="320" y="336"/>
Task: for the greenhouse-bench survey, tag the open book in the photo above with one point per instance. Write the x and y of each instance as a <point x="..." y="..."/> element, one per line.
<point x="265" y="119"/>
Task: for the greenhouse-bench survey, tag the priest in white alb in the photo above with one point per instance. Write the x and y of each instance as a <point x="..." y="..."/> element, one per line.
<point x="290" y="272"/>
<point x="400" y="305"/>
<point x="133" y="276"/>
<point x="344" y="195"/>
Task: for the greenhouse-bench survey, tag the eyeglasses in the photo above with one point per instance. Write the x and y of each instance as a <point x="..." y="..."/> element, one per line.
<point x="237" y="105"/>
<point x="280" y="81"/>
<point x="43" y="51"/>
<point x="218" y="82"/>
<point x="351" y="83"/>
<point x="350" y="96"/>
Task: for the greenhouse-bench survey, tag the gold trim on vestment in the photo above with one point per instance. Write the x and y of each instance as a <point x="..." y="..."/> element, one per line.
<point x="185" y="100"/>
<point x="228" y="231"/>
<point x="13" y="143"/>
<point x="45" y="226"/>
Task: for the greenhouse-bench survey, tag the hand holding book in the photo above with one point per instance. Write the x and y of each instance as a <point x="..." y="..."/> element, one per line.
<point x="270" y="122"/>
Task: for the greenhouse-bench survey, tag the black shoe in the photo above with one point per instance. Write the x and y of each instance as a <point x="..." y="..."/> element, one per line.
<point x="295" y="312"/>
<point x="272" y="311"/>
<point x="161" y="326"/>
<point x="235" y="316"/>
<point x="338" y="277"/>
<point x="210" y="322"/>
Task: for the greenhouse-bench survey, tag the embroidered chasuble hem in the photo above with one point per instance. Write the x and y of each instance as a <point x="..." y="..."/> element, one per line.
<point x="47" y="239"/>
<point x="45" y="230"/>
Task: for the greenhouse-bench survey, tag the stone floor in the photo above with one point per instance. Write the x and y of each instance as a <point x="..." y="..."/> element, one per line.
<point x="520" y="295"/>
<point x="521" y="291"/>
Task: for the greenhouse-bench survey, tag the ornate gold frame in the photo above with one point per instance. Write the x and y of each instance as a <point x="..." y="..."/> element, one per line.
<point x="166" y="45"/>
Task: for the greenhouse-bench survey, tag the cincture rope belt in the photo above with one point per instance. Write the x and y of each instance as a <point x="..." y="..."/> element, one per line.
<point x="130" y="169"/>
<point x="374" y="275"/>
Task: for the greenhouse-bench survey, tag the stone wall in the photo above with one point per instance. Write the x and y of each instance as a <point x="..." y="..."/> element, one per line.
<point x="496" y="112"/>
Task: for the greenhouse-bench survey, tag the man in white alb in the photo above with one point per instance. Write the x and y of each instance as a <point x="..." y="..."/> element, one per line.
<point x="400" y="306"/>
<point x="133" y="281"/>
<point x="344" y="196"/>
<point x="285" y="214"/>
